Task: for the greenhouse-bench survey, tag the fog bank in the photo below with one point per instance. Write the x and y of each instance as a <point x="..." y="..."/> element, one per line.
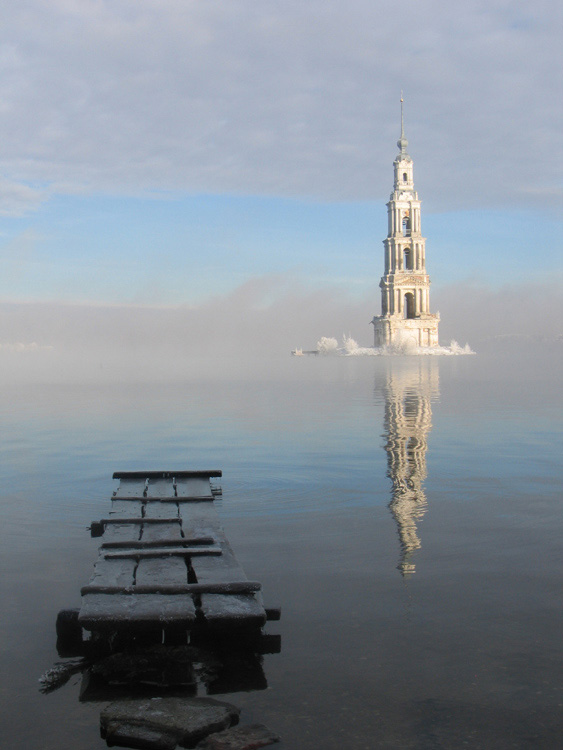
<point x="264" y="318"/>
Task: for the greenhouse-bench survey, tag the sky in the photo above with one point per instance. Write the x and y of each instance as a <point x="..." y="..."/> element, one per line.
<point x="191" y="155"/>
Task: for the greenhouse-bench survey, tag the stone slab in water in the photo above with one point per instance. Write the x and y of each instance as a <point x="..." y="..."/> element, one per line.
<point x="139" y="737"/>
<point x="250" y="737"/>
<point x="185" y="721"/>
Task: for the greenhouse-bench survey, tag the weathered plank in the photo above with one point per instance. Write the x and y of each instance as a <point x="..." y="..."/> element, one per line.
<point x="193" y="487"/>
<point x="141" y="519"/>
<point x="161" y="570"/>
<point x="147" y="543"/>
<point x="152" y="532"/>
<point x="122" y="532"/>
<point x="113" y="572"/>
<point x="127" y="509"/>
<point x="198" y="550"/>
<point x="101" y="611"/>
<point x="165" y="474"/>
<point x="131" y="487"/>
<point x="166" y="489"/>
<point x="232" y="610"/>
<point x="200" y="517"/>
<point x="218" y="609"/>
<point x="174" y="499"/>
<point x="160" y="488"/>
<point x="125" y="531"/>
<point x="233" y="587"/>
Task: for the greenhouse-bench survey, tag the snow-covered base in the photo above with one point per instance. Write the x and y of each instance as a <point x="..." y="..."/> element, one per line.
<point x="350" y="348"/>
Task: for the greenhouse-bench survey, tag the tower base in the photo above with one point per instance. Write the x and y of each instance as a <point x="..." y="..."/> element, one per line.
<point x="394" y="330"/>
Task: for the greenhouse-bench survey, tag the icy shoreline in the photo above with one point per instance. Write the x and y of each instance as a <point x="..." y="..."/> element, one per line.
<point x="327" y="346"/>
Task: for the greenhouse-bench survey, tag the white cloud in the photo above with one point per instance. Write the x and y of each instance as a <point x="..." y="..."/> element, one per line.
<point x="18" y="199"/>
<point x="21" y="346"/>
<point x="285" y="98"/>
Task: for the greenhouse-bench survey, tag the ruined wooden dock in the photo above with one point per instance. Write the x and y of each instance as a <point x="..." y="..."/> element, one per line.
<point x="165" y="562"/>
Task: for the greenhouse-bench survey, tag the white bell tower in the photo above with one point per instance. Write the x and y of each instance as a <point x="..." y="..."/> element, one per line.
<point x="405" y="286"/>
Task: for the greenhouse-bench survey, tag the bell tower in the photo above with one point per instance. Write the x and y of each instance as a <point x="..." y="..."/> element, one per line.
<point x="405" y="318"/>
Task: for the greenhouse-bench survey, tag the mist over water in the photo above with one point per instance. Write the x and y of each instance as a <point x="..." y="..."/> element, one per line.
<point x="263" y="319"/>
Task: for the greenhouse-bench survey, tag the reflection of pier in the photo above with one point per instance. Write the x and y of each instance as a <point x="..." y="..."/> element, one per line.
<point x="409" y="390"/>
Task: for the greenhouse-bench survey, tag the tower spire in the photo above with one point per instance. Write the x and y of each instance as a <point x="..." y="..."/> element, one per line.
<point x="402" y="119"/>
<point x="402" y="143"/>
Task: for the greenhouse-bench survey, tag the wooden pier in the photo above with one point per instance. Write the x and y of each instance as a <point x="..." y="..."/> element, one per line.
<point x="165" y="562"/>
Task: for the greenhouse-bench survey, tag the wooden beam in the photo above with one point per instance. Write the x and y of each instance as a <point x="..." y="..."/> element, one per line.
<point x="165" y="552"/>
<point x="232" y="587"/>
<point x="141" y="544"/>
<point x="140" y="519"/>
<point x="170" y="499"/>
<point x="121" y="611"/>
<point x="165" y="474"/>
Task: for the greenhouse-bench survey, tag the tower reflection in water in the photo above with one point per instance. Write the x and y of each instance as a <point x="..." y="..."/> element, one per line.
<point x="410" y="387"/>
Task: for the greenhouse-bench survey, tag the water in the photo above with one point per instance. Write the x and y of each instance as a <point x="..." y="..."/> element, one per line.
<point x="403" y="511"/>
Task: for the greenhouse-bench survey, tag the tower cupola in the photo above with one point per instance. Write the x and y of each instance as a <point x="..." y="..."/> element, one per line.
<point x="403" y="162"/>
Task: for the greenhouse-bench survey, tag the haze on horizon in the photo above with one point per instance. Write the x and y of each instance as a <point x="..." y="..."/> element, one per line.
<point x="205" y="174"/>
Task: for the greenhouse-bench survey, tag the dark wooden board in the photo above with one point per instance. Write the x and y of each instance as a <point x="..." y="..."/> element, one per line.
<point x="113" y="572"/>
<point x="141" y="520"/>
<point x="131" y="487"/>
<point x="192" y="487"/>
<point x="155" y="532"/>
<point x="121" y="532"/>
<point x="146" y="553"/>
<point x="233" y="587"/>
<point x="233" y="610"/>
<point x="200" y="517"/>
<point x="148" y="543"/>
<point x="114" y="611"/>
<point x="165" y="474"/>
<point x="159" y="487"/>
<point x="166" y="570"/>
<point x="218" y="609"/>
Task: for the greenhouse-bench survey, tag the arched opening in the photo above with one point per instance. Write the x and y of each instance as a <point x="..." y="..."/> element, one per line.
<point x="409" y="305"/>
<point x="406" y="226"/>
<point x="405" y="177"/>
<point x="408" y="259"/>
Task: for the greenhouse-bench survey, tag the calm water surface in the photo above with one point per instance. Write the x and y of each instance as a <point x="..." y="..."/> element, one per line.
<point x="405" y="513"/>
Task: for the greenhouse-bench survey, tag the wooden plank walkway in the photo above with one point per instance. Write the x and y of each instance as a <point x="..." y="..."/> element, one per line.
<point x="164" y="560"/>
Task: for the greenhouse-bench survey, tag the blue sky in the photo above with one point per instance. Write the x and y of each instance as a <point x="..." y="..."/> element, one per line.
<point x="166" y="153"/>
<point x="180" y="249"/>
